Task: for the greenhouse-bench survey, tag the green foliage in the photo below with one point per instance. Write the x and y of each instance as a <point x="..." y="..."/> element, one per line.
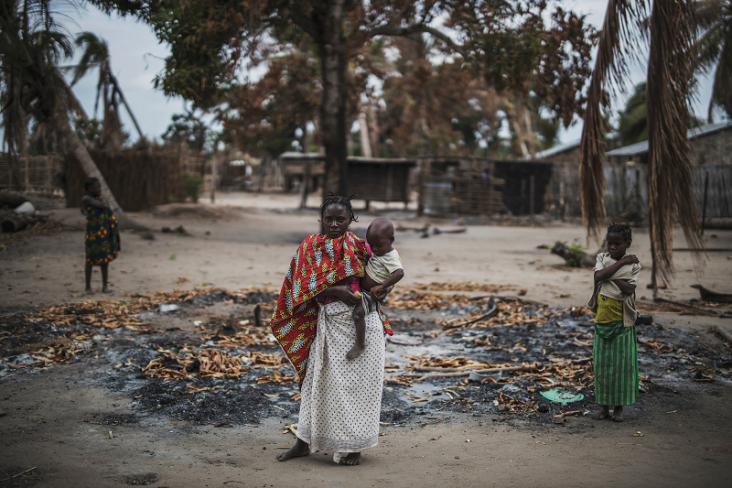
<point x="192" y="186"/>
<point x="189" y="129"/>
<point x="576" y="252"/>
<point x="548" y="132"/>
<point x="632" y="126"/>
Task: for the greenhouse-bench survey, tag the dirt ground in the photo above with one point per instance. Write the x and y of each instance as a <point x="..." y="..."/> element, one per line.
<point x="58" y="419"/>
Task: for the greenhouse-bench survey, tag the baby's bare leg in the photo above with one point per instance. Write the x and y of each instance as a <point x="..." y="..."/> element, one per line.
<point x="359" y="317"/>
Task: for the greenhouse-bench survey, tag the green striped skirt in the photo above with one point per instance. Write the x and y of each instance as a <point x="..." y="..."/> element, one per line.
<point x="615" y="362"/>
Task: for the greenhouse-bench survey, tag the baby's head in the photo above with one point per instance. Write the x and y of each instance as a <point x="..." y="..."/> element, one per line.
<point x="619" y="238"/>
<point x="380" y="236"/>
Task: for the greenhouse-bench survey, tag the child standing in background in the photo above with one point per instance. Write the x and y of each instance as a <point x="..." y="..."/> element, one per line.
<point x="615" y="349"/>
<point x="101" y="240"/>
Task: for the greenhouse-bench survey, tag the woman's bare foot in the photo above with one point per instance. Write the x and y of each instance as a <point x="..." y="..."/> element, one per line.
<point x="300" y="449"/>
<point x="602" y="414"/>
<point x="88" y="291"/>
<point x="353" y="459"/>
<point x="356" y="351"/>
<point x="618" y="413"/>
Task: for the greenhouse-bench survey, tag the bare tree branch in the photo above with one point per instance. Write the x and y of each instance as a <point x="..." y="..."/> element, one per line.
<point x="391" y="30"/>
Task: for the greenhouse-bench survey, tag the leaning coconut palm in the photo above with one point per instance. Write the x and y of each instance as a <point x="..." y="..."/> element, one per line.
<point x="96" y="55"/>
<point x="670" y="70"/>
<point x="714" y="49"/>
<point x="30" y="56"/>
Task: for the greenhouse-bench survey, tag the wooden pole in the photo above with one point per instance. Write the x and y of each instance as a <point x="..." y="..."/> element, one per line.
<point x="704" y="204"/>
<point x="213" y="178"/>
<point x="305" y="184"/>
<point x="532" y="187"/>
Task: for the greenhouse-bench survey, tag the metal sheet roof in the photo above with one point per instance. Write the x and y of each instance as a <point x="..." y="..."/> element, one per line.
<point x="642" y="147"/>
<point x="556" y="150"/>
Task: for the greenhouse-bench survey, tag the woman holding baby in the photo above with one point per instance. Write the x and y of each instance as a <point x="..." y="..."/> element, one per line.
<point x="314" y="323"/>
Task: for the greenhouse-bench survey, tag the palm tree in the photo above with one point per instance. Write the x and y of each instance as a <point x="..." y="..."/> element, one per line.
<point x="714" y="49"/>
<point x="96" y="55"/>
<point x="31" y="45"/>
<point x="671" y="63"/>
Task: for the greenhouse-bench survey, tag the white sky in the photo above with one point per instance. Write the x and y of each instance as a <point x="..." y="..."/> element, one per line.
<point x="137" y="58"/>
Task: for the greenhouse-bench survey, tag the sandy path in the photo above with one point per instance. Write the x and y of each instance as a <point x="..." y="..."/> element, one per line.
<point x="254" y="249"/>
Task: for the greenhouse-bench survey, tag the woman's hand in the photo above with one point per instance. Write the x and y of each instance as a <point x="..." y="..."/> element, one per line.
<point x="345" y="295"/>
<point x="342" y="293"/>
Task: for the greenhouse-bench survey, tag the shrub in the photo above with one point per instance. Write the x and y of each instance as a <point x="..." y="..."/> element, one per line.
<point x="576" y="252"/>
<point x="192" y="186"/>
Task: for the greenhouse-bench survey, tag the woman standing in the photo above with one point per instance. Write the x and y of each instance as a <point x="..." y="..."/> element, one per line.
<point x="341" y="398"/>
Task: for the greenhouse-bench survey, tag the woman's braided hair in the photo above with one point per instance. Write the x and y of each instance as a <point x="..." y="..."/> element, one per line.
<point x="333" y="199"/>
<point x="622" y="229"/>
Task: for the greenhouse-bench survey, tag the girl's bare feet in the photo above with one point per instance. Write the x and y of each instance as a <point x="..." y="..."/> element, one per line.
<point x="618" y="413"/>
<point x="106" y="290"/>
<point x="603" y="413"/>
<point x="356" y="351"/>
<point x="88" y="291"/>
<point x="353" y="459"/>
<point x="300" y="449"/>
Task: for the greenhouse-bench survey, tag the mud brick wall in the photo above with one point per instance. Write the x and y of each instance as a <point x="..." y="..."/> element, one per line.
<point x="713" y="149"/>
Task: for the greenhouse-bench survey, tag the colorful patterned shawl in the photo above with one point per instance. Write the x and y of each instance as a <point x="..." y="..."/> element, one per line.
<point x="319" y="262"/>
<point x="101" y="241"/>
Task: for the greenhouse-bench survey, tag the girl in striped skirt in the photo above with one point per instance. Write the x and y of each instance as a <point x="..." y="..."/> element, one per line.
<point x="615" y="351"/>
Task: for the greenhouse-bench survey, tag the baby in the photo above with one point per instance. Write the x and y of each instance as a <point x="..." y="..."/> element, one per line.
<point x="383" y="270"/>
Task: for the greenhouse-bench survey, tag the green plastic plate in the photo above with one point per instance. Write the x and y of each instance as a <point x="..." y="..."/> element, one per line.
<point x="562" y="395"/>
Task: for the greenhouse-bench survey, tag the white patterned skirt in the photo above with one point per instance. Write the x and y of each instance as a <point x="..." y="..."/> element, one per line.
<point x="341" y="398"/>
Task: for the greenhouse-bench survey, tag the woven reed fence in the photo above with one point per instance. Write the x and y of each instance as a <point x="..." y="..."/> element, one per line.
<point x="39" y="173"/>
<point x="139" y="178"/>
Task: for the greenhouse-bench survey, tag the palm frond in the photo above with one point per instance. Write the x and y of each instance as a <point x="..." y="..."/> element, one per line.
<point x="708" y="12"/>
<point x="95" y="55"/>
<point x="722" y="87"/>
<point x="670" y="159"/>
<point x="614" y="50"/>
<point x="708" y="47"/>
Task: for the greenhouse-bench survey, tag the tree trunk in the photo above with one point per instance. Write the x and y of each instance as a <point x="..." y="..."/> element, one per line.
<point x="333" y="109"/>
<point x="129" y="110"/>
<point x="530" y="136"/>
<point x="363" y="131"/>
<point x="373" y="122"/>
<point x="77" y="148"/>
<point x="514" y="117"/>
